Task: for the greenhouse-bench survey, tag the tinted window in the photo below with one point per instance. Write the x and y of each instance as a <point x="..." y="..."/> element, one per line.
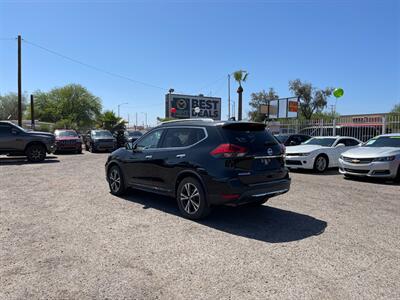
<point x="349" y="142"/>
<point x="150" y="141"/>
<point x="384" y="141"/>
<point x="254" y="140"/>
<point x="5" y="130"/>
<point x="303" y="138"/>
<point x="282" y="138"/>
<point x="135" y="133"/>
<point x="325" y="142"/>
<point x="182" y="137"/>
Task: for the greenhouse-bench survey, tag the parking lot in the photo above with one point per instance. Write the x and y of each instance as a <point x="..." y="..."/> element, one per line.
<point x="64" y="236"/>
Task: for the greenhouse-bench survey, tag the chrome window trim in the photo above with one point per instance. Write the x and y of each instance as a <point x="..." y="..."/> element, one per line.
<point x="175" y="148"/>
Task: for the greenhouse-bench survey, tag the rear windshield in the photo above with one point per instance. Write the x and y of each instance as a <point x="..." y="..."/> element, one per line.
<point x="254" y="140"/>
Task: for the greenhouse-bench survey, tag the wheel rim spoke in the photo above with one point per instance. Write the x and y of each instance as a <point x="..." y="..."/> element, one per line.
<point x="115" y="180"/>
<point x="190" y="198"/>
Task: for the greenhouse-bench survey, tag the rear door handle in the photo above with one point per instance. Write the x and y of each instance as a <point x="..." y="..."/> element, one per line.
<point x="181" y="155"/>
<point x="148" y="156"/>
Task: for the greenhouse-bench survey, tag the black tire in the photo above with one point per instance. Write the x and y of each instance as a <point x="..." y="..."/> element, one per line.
<point x="191" y="198"/>
<point x="321" y="163"/>
<point x="91" y="148"/>
<point x="36" y="153"/>
<point x="397" y="178"/>
<point x="116" y="181"/>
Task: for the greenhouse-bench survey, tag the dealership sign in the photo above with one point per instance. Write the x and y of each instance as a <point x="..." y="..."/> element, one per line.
<point x="189" y="107"/>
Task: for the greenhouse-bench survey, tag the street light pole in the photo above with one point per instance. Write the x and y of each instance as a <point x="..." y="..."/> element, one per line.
<point x="145" y="115"/>
<point x="120" y="105"/>
<point x="229" y="96"/>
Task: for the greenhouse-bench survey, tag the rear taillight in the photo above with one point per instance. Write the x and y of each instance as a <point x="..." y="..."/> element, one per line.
<point x="229" y="151"/>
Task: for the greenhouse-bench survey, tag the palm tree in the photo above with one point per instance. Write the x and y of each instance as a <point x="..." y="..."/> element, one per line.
<point x="240" y="76"/>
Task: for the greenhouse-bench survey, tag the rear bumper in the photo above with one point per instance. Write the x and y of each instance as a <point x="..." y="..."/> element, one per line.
<point x="233" y="192"/>
<point x="373" y="169"/>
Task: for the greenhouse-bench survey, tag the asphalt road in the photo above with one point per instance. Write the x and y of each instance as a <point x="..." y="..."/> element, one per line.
<point x="63" y="236"/>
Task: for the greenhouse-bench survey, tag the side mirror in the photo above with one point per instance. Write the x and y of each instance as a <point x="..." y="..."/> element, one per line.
<point x="340" y="145"/>
<point x="292" y="143"/>
<point x="135" y="147"/>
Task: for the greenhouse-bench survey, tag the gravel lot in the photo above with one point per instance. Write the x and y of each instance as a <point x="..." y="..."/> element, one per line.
<point x="63" y="236"/>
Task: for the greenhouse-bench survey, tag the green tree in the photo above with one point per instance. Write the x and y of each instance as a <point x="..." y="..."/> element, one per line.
<point x="258" y="99"/>
<point x="240" y="76"/>
<point x="9" y="106"/>
<point x="165" y="119"/>
<point x="72" y="106"/>
<point x="312" y="99"/>
<point x="109" y="120"/>
<point x="396" y="109"/>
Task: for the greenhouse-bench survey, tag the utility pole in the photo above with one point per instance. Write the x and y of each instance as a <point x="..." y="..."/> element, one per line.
<point x="19" y="83"/>
<point x="136" y="122"/>
<point x="32" y="114"/>
<point x="169" y="102"/>
<point x="128" y="120"/>
<point x="229" y="96"/>
<point x="145" y="115"/>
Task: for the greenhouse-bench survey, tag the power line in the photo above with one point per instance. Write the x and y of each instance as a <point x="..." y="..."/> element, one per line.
<point x="93" y="67"/>
<point x="8" y="39"/>
<point x="212" y="83"/>
<point x="113" y="74"/>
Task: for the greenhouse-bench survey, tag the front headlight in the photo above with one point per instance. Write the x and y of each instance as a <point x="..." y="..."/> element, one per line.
<point x="303" y="154"/>
<point x="386" y="158"/>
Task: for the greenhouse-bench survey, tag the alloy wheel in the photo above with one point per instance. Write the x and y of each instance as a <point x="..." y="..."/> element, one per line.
<point x="37" y="154"/>
<point x="190" y="198"/>
<point x="115" y="180"/>
<point x="320" y="164"/>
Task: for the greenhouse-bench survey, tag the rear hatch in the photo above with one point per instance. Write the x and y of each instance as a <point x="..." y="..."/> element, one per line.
<point x="259" y="155"/>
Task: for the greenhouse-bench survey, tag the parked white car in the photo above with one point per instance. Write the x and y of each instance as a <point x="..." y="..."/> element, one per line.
<point x="379" y="157"/>
<point x="319" y="153"/>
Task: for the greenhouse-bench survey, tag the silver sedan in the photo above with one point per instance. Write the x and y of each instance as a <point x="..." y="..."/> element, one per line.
<point x="379" y="157"/>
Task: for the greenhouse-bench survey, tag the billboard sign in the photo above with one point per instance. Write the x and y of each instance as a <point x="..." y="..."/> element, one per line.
<point x="293" y="106"/>
<point x="190" y="107"/>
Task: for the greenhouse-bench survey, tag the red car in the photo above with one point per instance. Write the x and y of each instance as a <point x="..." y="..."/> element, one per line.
<point x="68" y="140"/>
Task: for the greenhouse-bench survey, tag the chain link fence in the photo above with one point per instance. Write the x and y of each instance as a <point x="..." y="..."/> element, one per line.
<point x="360" y="127"/>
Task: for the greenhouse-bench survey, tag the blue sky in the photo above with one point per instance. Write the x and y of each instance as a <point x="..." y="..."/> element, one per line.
<point x="192" y="46"/>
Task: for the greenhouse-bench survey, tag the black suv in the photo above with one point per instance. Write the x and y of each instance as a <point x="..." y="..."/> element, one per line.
<point x="15" y="140"/>
<point x="99" y="140"/>
<point x="202" y="163"/>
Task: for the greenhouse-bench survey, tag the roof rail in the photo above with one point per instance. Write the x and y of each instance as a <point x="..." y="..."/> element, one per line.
<point x="183" y="120"/>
